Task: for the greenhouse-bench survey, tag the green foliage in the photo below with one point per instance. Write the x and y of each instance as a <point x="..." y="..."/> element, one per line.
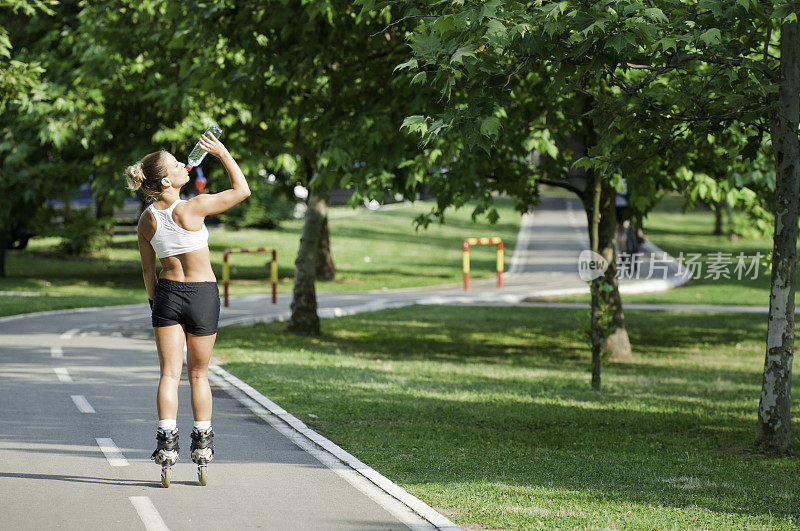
<point x="669" y="95"/>
<point x="41" y="150"/>
<point x="314" y="93"/>
<point x="84" y="234"/>
<point x="265" y="209"/>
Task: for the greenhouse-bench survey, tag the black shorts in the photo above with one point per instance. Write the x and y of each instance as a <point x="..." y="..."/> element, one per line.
<point x="192" y="304"/>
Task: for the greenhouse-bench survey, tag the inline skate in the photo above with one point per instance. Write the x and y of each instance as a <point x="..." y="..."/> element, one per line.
<point x="202" y="452"/>
<point x="166" y="453"/>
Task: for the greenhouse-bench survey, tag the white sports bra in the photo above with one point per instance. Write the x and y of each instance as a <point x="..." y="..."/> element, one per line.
<point x="171" y="239"/>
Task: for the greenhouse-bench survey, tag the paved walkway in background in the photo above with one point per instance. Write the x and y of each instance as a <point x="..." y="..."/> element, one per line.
<point x="78" y="387"/>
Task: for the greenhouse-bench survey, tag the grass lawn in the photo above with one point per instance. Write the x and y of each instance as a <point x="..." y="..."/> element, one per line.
<point x="371" y="250"/>
<point x="675" y="232"/>
<point x="488" y="416"/>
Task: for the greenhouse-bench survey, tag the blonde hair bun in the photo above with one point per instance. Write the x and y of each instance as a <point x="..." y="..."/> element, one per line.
<point x="147" y="174"/>
<point x="135" y="176"/>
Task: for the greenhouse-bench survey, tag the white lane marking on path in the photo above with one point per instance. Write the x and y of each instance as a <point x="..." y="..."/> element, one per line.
<point x="62" y="374"/>
<point x="112" y="453"/>
<point x="400" y="503"/>
<point x="56" y="352"/>
<point x="147" y="512"/>
<point x="82" y="404"/>
<point x="70" y="333"/>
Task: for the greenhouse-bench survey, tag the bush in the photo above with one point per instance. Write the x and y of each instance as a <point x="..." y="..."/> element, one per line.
<point x="83" y="234"/>
<point x="264" y="209"/>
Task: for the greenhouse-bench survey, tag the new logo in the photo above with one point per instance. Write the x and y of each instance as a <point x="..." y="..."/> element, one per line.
<point x="591" y="265"/>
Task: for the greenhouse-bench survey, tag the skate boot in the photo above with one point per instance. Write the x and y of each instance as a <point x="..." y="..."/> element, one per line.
<point x="166" y="453"/>
<point x="202" y="452"/>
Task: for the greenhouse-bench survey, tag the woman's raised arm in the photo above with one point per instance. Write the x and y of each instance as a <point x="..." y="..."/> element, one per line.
<point x="208" y="204"/>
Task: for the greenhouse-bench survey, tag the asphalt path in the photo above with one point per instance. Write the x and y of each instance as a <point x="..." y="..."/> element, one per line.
<point x="77" y="390"/>
<point x="54" y="471"/>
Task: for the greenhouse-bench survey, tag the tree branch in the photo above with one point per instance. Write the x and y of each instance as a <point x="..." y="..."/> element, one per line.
<point x="616" y="80"/>
<point x="561" y="184"/>
<point x="766" y="43"/>
<point x="398" y="21"/>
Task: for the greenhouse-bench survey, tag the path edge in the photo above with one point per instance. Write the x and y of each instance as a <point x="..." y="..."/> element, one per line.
<point x="387" y="486"/>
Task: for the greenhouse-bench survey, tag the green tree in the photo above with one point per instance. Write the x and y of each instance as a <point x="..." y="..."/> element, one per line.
<point x="42" y="150"/>
<point x="657" y="72"/>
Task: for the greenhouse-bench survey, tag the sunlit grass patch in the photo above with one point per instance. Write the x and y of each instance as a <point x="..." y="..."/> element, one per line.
<point x="487" y="414"/>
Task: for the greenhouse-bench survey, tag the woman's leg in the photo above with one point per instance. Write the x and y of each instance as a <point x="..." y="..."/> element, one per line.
<point x="198" y="355"/>
<point x="169" y="341"/>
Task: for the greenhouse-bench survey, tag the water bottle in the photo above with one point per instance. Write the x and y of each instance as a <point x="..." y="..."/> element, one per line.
<point x="198" y="154"/>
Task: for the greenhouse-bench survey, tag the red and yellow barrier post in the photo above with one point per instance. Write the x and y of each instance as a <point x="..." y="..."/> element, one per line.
<point x="482" y="241"/>
<point x="273" y="270"/>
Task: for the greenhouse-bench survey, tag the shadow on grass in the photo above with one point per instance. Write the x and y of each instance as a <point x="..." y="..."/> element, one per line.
<point x="496" y="333"/>
<point x="500" y="397"/>
<point x="648" y="450"/>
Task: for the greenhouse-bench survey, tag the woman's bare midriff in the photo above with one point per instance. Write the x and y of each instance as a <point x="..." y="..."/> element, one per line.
<point x="188" y="267"/>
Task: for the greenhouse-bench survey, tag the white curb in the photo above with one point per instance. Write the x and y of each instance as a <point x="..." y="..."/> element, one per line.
<point x="412" y="511"/>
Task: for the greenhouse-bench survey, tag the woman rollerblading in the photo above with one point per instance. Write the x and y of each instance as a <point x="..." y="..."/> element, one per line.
<point x="166" y="453"/>
<point x="202" y="452"/>
<point x="184" y="298"/>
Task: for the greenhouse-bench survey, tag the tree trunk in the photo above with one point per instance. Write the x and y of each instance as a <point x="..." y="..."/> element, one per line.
<point x="596" y="286"/>
<point x="718" y="210"/>
<point x="3" y="243"/>
<point x="305" y="320"/>
<point x="599" y="202"/>
<point x="773" y="432"/>
<point x="617" y="341"/>
<point x="100" y="209"/>
<point x="732" y="236"/>
<point x="105" y="210"/>
<point x="325" y="269"/>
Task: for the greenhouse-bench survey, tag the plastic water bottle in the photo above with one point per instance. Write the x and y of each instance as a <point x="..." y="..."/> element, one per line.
<point x="198" y="154"/>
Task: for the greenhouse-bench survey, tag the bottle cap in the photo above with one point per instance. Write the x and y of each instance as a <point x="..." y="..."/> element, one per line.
<point x="188" y="167"/>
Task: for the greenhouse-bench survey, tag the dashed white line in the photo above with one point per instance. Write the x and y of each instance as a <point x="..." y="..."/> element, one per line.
<point x="56" y="352"/>
<point x="70" y="333"/>
<point x="82" y="404"/>
<point x="112" y="453"/>
<point x="62" y="374"/>
<point x="148" y="513"/>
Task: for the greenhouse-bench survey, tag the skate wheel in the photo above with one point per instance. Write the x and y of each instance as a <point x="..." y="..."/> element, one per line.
<point x="165" y="473"/>
<point x="201" y="475"/>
